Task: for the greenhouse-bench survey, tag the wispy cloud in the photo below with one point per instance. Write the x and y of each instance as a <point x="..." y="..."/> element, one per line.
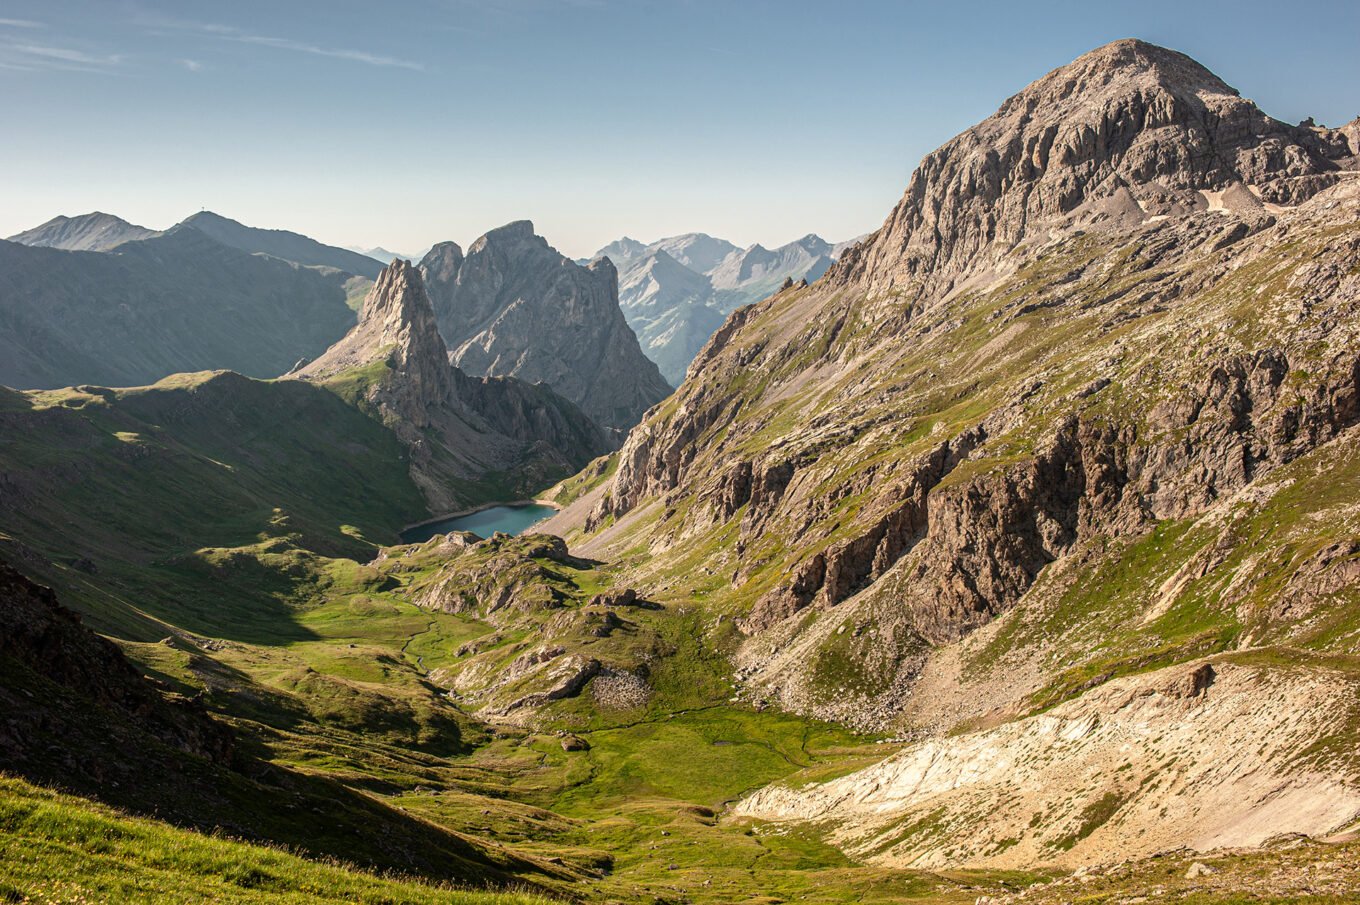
<point x="241" y="36"/>
<point x="192" y="65"/>
<point x="30" y="57"/>
<point x="20" y="23"/>
<point x="357" y="56"/>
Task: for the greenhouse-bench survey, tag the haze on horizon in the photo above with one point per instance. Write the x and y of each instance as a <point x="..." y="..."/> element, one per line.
<point x="439" y="119"/>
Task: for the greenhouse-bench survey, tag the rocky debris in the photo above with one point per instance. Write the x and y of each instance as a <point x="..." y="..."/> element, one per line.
<point x="1291" y="870"/>
<point x="514" y="307"/>
<point x="458" y="428"/>
<point x="1219" y="759"/>
<point x="574" y="743"/>
<point x="616" y="689"/>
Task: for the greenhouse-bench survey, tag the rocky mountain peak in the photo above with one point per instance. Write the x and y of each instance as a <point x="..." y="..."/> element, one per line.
<point x="457" y="427"/>
<point x="604" y="266"/>
<point x="622" y="249"/>
<point x="516" y="307"/>
<point x="1131" y="58"/>
<point x="397" y="303"/>
<point x="517" y="231"/>
<point x="442" y="261"/>
<point x="1124" y="134"/>
<point x="396" y="324"/>
<point x="95" y="231"/>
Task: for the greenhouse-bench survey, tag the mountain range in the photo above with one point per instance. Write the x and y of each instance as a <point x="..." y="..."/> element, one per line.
<point x="94" y="299"/>
<point x="145" y="308"/>
<point x="1012" y="557"/>
<point x="676" y="291"/>
<point x="88" y="232"/>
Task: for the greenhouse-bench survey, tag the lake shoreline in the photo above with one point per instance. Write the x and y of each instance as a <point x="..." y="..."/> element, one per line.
<point x="464" y="513"/>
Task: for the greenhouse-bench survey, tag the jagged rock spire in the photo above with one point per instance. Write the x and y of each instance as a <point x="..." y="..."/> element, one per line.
<point x="396" y="325"/>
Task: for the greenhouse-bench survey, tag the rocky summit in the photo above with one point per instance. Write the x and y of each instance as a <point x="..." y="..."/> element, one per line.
<point x="460" y="429"/>
<point x="515" y="307"/>
<point x="1128" y="133"/>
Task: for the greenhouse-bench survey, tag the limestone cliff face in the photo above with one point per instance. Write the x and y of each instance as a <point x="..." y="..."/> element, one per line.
<point x="462" y="430"/>
<point x="1125" y="298"/>
<point x="515" y="307"/>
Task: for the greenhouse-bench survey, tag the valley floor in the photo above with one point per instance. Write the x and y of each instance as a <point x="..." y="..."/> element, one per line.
<point x="340" y="686"/>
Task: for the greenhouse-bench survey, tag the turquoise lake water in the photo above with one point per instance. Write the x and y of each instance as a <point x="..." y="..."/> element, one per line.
<point x="483" y="523"/>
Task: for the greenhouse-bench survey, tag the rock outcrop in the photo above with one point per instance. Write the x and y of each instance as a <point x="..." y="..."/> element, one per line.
<point x="461" y="430"/>
<point x="515" y="307"/>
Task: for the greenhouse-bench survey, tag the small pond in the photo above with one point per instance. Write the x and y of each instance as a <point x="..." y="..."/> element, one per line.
<point x="514" y="519"/>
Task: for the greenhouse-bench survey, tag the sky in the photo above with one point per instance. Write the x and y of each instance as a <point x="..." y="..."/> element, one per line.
<point x="407" y="122"/>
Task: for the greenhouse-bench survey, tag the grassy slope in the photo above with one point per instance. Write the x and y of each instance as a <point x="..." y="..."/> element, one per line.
<point x="117" y="487"/>
<point x="638" y="815"/>
<point x="60" y="849"/>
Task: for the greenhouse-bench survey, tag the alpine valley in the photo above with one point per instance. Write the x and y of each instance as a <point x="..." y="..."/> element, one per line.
<point x="1010" y="553"/>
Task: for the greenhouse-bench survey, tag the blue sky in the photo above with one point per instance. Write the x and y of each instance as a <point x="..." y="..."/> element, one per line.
<point x="408" y="122"/>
